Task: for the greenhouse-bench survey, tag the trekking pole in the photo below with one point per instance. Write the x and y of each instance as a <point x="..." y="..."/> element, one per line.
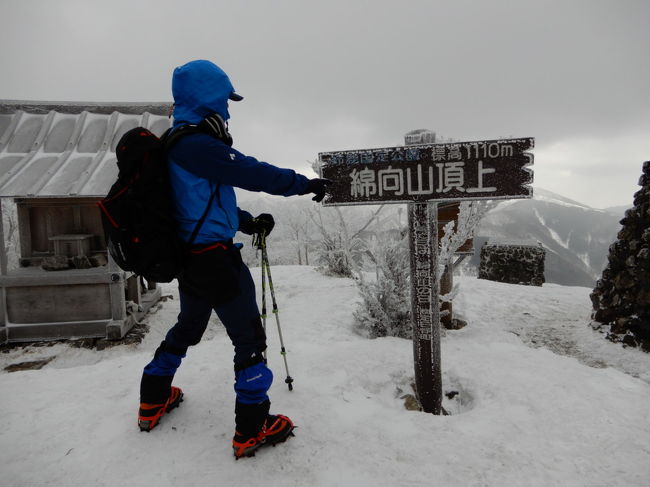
<point x="266" y="271"/>
<point x="263" y="296"/>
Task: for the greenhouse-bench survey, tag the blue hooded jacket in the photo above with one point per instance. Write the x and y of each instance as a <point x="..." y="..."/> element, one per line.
<point x="200" y="164"/>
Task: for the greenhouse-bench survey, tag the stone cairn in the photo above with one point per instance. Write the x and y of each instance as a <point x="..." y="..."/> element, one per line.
<point x="621" y="298"/>
<point x="513" y="262"/>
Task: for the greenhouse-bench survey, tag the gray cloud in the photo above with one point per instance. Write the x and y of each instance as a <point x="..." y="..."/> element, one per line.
<point x="321" y="76"/>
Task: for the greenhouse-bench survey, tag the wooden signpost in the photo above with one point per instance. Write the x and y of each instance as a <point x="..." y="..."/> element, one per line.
<point x="422" y="175"/>
<point x="490" y="169"/>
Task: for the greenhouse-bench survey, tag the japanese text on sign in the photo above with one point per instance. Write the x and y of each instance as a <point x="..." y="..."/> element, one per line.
<point x="422" y="273"/>
<point x="398" y="181"/>
<point x="467" y="170"/>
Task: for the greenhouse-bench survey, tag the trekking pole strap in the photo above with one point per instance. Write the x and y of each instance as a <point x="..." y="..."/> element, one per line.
<point x="259" y="241"/>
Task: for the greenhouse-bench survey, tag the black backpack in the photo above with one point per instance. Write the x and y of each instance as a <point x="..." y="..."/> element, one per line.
<point x="137" y="214"/>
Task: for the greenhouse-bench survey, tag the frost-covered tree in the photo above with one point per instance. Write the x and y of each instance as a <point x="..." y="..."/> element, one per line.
<point x="10" y="232"/>
<point x="385" y="308"/>
<point x="455" y="234"/>
<point x="300" y="228"/>
<point x="342" y="241"/>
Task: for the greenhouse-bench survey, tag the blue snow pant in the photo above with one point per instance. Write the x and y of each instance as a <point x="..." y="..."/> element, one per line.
<point x="241" y="318"/>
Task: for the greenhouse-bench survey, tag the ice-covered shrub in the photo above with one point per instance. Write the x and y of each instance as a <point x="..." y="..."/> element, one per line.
<point x="385" y="308"/>
<point x="342" y="239"/>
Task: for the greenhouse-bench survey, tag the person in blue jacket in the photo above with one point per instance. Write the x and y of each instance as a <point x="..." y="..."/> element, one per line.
<point x="204" y="169"/>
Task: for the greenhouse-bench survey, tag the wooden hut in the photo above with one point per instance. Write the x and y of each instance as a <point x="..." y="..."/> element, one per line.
<point x="56" y="161"/>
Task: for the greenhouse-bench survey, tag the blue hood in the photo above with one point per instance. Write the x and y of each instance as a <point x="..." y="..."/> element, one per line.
<point x="200" y="88"/>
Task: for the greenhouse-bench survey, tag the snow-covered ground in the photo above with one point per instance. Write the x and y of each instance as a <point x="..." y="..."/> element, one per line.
<point x="542" y="401"/>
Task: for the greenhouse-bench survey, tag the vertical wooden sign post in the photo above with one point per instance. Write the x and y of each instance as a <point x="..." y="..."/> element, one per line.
<point x="422" y="175"/>
<point x="423" y="239"/>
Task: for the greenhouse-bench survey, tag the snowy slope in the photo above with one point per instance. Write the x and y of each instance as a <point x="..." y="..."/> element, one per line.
<point x="524" y="416"/>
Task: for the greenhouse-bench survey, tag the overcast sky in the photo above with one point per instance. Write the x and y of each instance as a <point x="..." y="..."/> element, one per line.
<point x="332" y="75"/>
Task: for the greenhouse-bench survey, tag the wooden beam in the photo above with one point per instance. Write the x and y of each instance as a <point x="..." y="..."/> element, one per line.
<point x="55" y="331"/>
<point x="116" y="329"/>
<point x="3" y="248"/>
<point x="39" y="277"/>
<point x="3" y="271"/>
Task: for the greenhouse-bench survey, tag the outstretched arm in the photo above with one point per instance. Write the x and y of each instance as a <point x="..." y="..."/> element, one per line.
<point x="211" y="159"/>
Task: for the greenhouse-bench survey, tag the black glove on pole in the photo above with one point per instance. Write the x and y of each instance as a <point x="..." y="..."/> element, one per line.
<point x="262" y="223"/>
<point x="317" y="186"/>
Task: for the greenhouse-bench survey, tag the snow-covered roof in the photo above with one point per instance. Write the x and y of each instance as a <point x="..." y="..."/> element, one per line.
<point x="61" y="149"/>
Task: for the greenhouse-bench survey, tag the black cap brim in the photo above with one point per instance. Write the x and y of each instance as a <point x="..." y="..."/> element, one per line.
<point x="235" y="97"/>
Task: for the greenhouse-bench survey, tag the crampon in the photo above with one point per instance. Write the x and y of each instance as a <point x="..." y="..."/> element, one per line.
<point x="150" y="414"/>
<point x="276" y="429"/>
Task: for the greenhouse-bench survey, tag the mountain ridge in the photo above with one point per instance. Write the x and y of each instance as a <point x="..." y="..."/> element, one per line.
<point x="575" y="236"/>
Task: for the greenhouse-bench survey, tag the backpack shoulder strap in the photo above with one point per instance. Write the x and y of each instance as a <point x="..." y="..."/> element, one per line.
<point x="172" y="135"/>
<point x="212" y="125"/>
<point x="199" y="223"/>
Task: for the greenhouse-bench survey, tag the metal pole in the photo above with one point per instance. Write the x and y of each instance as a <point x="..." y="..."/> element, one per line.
<point x="283" y="350"/>
<point x="260" y="243"/>
<point x="263" y="315"/>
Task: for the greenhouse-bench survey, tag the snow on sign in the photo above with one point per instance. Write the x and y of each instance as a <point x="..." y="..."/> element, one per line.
<point x="488" y="169"/>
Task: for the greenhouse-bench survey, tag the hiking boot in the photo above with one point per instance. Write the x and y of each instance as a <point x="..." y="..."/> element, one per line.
<point x="150" y="414"/>
<point x="276" y="429"/>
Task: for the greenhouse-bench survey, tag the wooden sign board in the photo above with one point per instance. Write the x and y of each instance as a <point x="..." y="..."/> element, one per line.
<point x="489" y="169"/>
